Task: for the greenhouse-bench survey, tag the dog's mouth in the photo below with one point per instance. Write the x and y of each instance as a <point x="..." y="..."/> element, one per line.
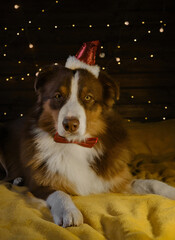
<point x="84" y="142"/>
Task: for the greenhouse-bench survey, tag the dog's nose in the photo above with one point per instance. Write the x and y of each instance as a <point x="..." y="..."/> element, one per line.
<point x="71" y="124"/>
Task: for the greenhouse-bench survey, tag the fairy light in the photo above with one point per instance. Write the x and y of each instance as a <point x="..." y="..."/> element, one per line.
<point x="161" y="21"/>
<point x="161" y="30"/>
<point x="39" y="28"/>
<point x="166" y="107"/>
<point x="5" y="113"/>
<point x="55" y="64"/>
<point x="151" y="55"/>
<point x="132" y="96"/>
<point x="31" y="45"/>
<point x="102" y="55"/>
<point x="16" y="6"/>
<point x="56" y="26"/>
<point x="164" y="118"/>
<point x="11" y="77"/>
<point x="22" y="29"/>
<point x="146" y="118"/>
<point x="103" y="68"/>
<point x="129" y="120"/>
<point x="164" y="24"/>
<point x="5" y="45"/>
<point x="90" y="26"/>
<point x="135" y="58"/>
<point x="126" y="23"/>
<point x="135" y="40"/>
<point x="118" y="63"/>
<point x="149" y="31"/>
<point x="30" y="22"/>
<point x="40" y="69"/>
<point x="56" y="1"/>
<point x="21" y="115"/>
<point x="118" y="46"/>
<point x="5" y="28"/>
<point x="28" y="74"/>
<point x="19" y="62"/>
<point x="22" y="78"/>
<point x="17" y="33"/>
<point x="7" y="79"/>
<point x="108" y="25"/>
<point x="143" y="22"/>
<point x="117" y="59"/>
<point x="149" y="101"/>
<point x="101" y="47"/>
<point x="43" y="10"/>
<point x="4" y="54"/>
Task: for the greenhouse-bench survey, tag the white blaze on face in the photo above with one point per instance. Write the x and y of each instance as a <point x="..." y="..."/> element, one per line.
<point x="73" y="109"/>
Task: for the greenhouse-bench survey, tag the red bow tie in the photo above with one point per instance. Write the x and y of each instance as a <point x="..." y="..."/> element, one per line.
<point x="89" y="142"/>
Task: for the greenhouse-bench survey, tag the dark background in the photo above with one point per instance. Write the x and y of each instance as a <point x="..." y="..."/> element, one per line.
<point x="145" y="50"/>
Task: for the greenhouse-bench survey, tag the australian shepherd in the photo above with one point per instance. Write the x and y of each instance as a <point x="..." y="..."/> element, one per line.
<point x="72" y="143"/>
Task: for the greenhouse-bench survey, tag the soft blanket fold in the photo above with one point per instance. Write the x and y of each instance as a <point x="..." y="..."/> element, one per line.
<point x="106" y="216"/>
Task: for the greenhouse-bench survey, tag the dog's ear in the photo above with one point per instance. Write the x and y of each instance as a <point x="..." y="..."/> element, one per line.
<point x="42" y="76"/>
<point x="111" y="89"/>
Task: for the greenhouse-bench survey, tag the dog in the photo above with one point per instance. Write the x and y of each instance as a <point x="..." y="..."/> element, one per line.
<point x="73" y="142"/>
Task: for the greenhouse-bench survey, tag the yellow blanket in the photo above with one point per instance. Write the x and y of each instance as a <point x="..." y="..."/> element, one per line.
<point x="106" y="216"/>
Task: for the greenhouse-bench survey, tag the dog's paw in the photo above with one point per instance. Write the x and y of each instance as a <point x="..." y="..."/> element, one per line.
<point x="68" y="217"/>
<point x="63" y="210"/>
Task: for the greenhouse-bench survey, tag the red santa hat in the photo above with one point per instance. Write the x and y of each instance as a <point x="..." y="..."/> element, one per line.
<point x="85" y="58"/>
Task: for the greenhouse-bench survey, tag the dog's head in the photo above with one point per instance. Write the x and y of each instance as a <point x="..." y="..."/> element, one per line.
<point x="74" y="102"/>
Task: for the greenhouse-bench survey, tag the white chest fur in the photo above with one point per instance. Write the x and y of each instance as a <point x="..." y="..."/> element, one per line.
<point x="71" y="161"/>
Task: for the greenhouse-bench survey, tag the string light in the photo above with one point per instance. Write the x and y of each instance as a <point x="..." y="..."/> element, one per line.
<point x="166" y="107"/>
<point x="151" y="55"/>
<point x="7" y="79"/>
<point x="161" y="21"/>
<point x="5" y="54"/>
<point x="21" y="115"/>
<point x="31" y="45"/>
<point x="17" y="33"/>
<point x="161" y="30"/>
<point x="117" y="59"/>
<point x="19" y="62"/>
<point x="56" y="1"/>
<point x="143" y="22"/>
<point x="73" y="25"/>
<point x="135" y="40"/>
<point x="30" y="22"/>
<point x="28" y="74"/>
<point x="135" y="59"/>
<point x="22" y="29"/>
<point x="118" y="63"/>
<point x="39" y="28"/>
<point x="129" y="120"/>
<point x="5" y="45"/>
<point x="146" y="118"/>
<point x="149" y="101"/>
<point x="16" y="6"/>
<point x="149" y="31"/>
<point x="43" y="10"/>
<point x="22" y="79"/>
<point x="126" y="23"/>
<point x="108" y="25"/>
<point x="56" y="26"/>
<point x="102" y="55"/>
<point x="5" y="28"/>
<point x="132" y="96"/>
<point x="55" y="64"/>
<point x="164" y="24"/>
<point x="103" y="68"/>
<point x="164" y="118"/>
<point x="118" y="46"/>
<point x="5" y="113"/>
<point x="90" y="26"/>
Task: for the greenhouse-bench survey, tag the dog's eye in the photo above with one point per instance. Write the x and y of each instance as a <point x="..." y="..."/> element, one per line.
<point x="58" y="96"/>
<point x="88" y="98"/>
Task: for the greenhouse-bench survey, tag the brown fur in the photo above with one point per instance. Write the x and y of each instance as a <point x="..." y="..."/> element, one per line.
<point x="102" y="122"/>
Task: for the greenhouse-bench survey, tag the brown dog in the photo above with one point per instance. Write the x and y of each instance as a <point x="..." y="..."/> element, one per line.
<point x="72" y="142"/>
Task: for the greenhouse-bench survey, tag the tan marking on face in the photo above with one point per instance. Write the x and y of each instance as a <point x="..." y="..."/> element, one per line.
<point x="48" y="119"/>
<point x="95" y="123"/>
<point x="64" y="90"/>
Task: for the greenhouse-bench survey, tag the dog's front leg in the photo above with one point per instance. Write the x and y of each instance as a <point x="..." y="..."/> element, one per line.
<point x="63" y="210"/>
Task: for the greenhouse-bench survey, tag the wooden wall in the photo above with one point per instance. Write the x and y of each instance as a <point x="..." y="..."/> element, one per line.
<point x="147" y="66"/>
